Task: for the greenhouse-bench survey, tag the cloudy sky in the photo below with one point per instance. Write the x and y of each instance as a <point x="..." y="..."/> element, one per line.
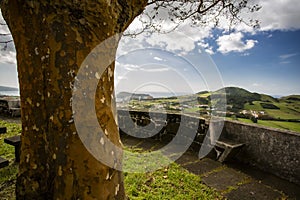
<point x="191" y="59"/>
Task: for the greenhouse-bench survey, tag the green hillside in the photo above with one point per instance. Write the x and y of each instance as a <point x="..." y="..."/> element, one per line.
<point x="238" y="97"/>
<point x="281" y="112"/>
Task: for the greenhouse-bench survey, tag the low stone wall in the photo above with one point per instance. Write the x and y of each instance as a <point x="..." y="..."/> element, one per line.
<point x="272" y="150"/>
<point x="161" y="125"/>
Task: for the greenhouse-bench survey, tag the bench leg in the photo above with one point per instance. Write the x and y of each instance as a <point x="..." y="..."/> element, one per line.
<point x="224" y="155"/>
<point x="17" y="153"/>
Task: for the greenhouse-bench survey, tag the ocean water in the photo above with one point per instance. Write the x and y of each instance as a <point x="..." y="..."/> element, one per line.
<point x="10" y="93"/>
<point x="166" y="94"/>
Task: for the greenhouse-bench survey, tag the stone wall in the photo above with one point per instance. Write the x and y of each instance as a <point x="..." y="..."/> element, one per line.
<point x="161" y="125"/>
<point x="272" y="150"/>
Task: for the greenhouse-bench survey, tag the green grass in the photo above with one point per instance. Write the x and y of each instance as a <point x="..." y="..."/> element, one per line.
<point x="292" y="126"/>
<point x="8" y="181"/>
<point x="169" y="182"/>
<point x="256" y="106"/>
<point x="7" y="151"/>
<point x="286" y="111"/>
<point x="8" y="174"/>
<point x="172" y="182"/>
<point x="205" y="95"/>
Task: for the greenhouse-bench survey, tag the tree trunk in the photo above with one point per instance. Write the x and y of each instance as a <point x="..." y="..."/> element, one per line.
<point x="52" y="39"/>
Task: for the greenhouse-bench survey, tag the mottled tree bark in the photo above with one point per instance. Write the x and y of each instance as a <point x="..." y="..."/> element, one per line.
<point x="52" y="39"/>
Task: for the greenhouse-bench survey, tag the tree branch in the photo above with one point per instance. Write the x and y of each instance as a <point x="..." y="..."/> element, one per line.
<point x="6" y="42"/>
<point x="209" y="7"/>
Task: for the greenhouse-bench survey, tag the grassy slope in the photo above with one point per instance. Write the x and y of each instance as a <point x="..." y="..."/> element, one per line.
<point x="275" y="124"/>
<point x="286" y="111"/>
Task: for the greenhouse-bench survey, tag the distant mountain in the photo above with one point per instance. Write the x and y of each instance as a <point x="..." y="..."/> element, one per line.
<point x="291" y="98"/>
<point x="126" y="96"/>
<point x="202" y="92"/>
<point x="4" y="88"/>
<point x="236" y="97"/>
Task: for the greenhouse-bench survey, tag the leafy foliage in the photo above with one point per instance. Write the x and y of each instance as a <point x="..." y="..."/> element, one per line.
<point x="196" y="13"/>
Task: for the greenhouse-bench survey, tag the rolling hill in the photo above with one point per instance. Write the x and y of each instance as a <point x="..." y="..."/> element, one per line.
<point x="284" y="108"/>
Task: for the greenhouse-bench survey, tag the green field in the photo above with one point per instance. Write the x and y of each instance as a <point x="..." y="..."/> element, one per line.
<point x="292" y="126"/>
<point x="285" y="111"/>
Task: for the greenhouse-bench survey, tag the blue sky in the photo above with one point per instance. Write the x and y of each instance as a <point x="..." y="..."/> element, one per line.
<point x="272" y="66"/>
<point x="191" y="59"/>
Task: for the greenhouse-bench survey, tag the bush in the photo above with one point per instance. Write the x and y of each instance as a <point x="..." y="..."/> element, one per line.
<point x="268" y="106"/>
<point x="253" y="119"/>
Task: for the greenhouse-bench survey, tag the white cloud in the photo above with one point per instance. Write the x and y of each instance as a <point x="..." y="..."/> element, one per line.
<point x="279" y="14"/>
<point x="234" y="43"/>
<point x="174" y="41"/>
<point x="121" y="78"/>
<point x="286" y="56"/>
<point x="155" y="69"/>
<point x="129" y="67"/>
<point x="273" y="15"/>
<point x="210" y="51"/>
<point x="8" y="57"/>
<point x="285" y="62"/>
<point x="256" y="84"/>
<point x="158" y="58"/>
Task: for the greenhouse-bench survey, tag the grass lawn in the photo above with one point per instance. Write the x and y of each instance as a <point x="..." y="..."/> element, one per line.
<point x="8" y="174"/>
<point x="172" y="182"/>
<point x="286" y="111"/>
<point x="292" y="126"/>
<point x="7" y="151"/>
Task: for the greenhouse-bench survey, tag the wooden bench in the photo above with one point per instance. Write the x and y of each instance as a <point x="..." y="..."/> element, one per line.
<point x="3" y="162"/>
<point x="230" y="149"/>
<point x="3" y="130"/>
<point x="16" y="142"/>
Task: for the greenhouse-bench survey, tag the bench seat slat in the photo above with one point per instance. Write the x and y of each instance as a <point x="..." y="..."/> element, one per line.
<point x="230" y="148"/>
<point x="3" y="162"/>
<point x="3" y="130"/>
<point x="16" y="142"/>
